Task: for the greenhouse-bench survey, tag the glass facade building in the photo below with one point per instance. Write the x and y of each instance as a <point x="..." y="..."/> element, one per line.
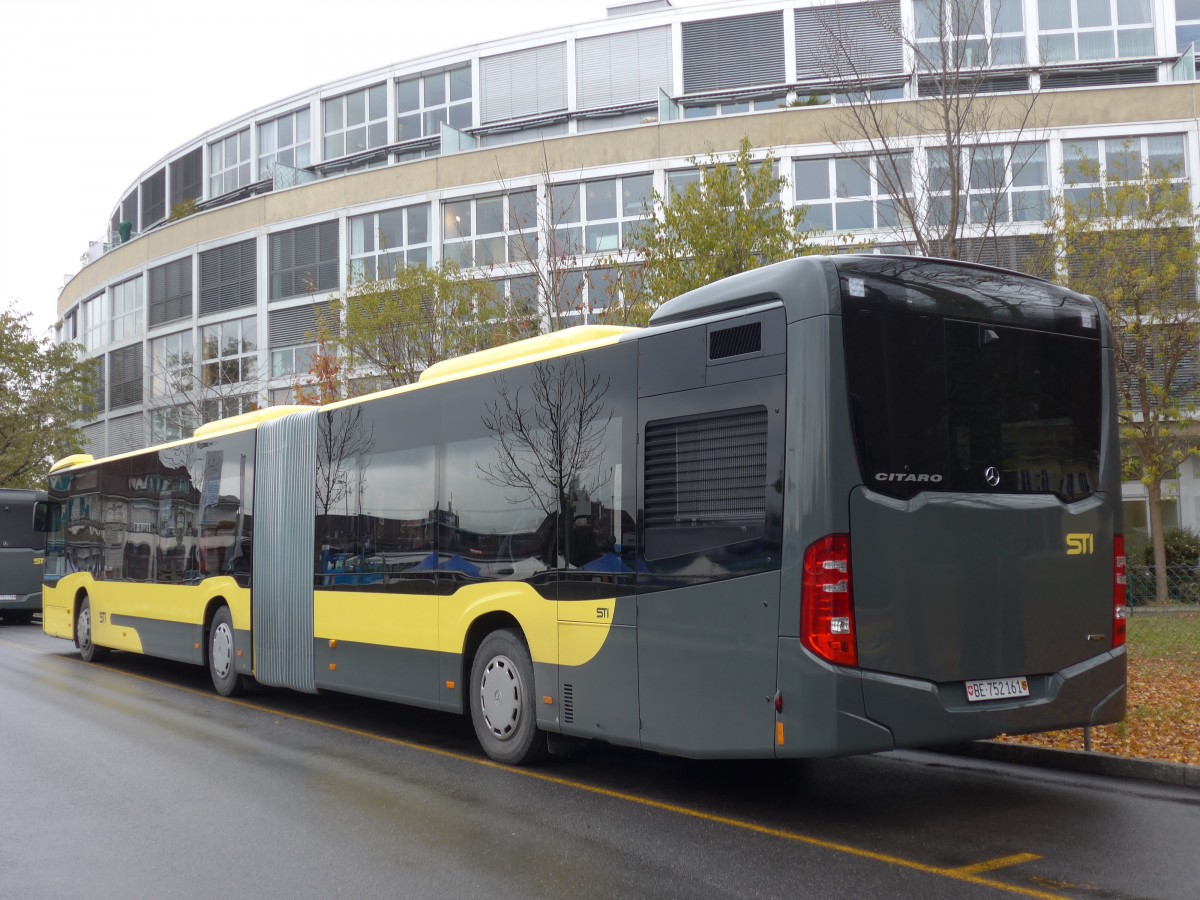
<point x="499" y="155"/>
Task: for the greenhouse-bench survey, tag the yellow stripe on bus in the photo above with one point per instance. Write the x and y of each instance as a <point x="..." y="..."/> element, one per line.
<point x="568" y="633"/>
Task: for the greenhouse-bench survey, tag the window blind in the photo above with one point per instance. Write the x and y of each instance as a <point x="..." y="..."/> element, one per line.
<point x="613" y="69"/>
<point x="733" y="52"/>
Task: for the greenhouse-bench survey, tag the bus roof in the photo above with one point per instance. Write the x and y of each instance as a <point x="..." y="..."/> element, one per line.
<point x="808" y="286"/>
<point x="543" y="346"/>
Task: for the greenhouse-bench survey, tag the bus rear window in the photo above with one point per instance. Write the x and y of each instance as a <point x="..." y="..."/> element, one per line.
<point x="953" y="405"/>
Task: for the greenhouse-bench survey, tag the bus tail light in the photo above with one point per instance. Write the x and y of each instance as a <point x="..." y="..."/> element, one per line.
<point x="1120" y="588"/>
<point x="827" y="601"/>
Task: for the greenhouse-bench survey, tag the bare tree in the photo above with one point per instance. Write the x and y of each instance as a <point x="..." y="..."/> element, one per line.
<point x="548" y="439"/>
<point x="946" y="160"/>
<point x="546" y="243"/>
<point x="342" y="438"/>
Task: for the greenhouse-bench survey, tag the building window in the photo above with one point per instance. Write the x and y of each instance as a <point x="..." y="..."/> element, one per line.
<point x="872" y="32"/>
<point x="733" y="107"/>
<point x="291" y="336"/>
<point x="229" y="163"/>
<point x="229" y="353"/>
<point x="1088" y="164"/>
<point x="1083" y="30"/>
<point x="68" y="328"/>
<point x="170" y="423"/>
<point x="129" y="213"/>
<point x="125" y="376"/>
<point x="1001" y="183"/>
<point x="172" y="365"/>
<point x="611" y="123"/>
<point x="521" y="294"/>
<point x="304" y="260"/>
<point x="1007" y="183"/>
<point x="733" y="52"/>
<point x="228" y="277"/>
<point x="214" y="408"/>
<point x="94" y="405"/>
<point x="382" y="242"/>
<point x="599" y="216"/>
<point x="356" y="122"/>
<point x="847" y="193"/>
<point x="623" y="68"/>
<point x="424" y="102"/>
<point x="1187" y="24"/>
<point x="91" y="323"/>
<point x="127" y="309"/>
<point x="170" y="291"/>
<point x="529" y="82"/>
<point x="491" y="231"/>
<point x="187" y="178"/>
<point x="284" y="140"/>
<point x="604" y="287"/>
<point x="154" y="198"/>
<point x="288" y="362"/>
<point x="976" y="33"/>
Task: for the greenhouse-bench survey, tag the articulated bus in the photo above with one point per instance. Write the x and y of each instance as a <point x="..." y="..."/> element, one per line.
<point x="835" y="505"/>
<point x="22" y="550"/>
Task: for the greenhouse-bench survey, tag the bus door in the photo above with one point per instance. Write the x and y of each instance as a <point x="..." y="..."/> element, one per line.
<point x="710" y="501"/>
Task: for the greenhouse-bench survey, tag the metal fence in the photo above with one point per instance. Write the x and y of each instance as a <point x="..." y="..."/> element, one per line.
<point x="1183" y="586"/>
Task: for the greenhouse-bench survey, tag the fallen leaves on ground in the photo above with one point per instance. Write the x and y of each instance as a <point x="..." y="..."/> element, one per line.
<point x="1162" y="720"/>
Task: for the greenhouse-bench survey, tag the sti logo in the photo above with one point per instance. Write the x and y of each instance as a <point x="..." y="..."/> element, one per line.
<point x="1081" y="544"/>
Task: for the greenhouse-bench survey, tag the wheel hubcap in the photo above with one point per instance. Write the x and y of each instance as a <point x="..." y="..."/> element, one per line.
<point x="500" y="693"/>
<point x="222" y="649"/>
<point x="85" y="627"/>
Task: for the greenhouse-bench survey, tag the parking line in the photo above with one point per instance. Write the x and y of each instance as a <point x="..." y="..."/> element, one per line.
<point x="968" y="874"/>
<point x="992" y="865"/>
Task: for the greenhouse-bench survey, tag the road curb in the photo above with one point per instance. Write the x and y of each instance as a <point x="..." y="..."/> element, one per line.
<point x="1090" y="762"/>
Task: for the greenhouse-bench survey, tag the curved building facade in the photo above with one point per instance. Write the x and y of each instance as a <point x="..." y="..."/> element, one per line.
<point x="201" y="298"/>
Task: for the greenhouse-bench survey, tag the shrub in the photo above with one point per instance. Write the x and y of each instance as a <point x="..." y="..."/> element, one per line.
<point x="1182" y="545"/>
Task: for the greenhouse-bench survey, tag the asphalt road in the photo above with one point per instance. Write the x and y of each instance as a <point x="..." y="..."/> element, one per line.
<point x="131" y="778"/>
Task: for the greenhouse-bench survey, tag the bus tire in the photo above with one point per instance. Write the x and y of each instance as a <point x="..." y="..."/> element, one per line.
<point x="503" y="708"/>
<point x="221" y="668"/>
<point x="88" y="651"/>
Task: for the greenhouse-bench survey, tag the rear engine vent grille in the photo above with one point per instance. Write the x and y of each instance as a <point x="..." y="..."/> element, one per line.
<point x="707" y="469"/>
<point x="735" y="341"/>
<point x="568" y="702"/>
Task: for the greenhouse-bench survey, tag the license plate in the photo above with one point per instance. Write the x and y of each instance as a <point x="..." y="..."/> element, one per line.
<point x="4" y="597"/>
<point x="997" y="689"/>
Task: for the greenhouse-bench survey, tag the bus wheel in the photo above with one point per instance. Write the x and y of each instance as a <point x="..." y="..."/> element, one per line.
<point x="225" y="678"/>
<point x="88" y="651"/>
<point x="502" y="703"/>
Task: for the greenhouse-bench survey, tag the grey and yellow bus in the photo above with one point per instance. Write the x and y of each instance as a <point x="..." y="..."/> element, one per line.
<point x="22" y="550"/>
<point x="835" y="505"/>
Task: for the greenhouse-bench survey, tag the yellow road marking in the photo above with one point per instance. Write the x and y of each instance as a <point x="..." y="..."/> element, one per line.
<point x="965" y="874"/>
<point x="992" y="865"/>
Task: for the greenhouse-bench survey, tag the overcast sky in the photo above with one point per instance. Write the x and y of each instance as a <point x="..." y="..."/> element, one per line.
<point x="94" y="93"/>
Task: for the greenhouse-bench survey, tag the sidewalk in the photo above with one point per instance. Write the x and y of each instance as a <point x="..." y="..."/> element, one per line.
<point x="1087" y="762"/>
